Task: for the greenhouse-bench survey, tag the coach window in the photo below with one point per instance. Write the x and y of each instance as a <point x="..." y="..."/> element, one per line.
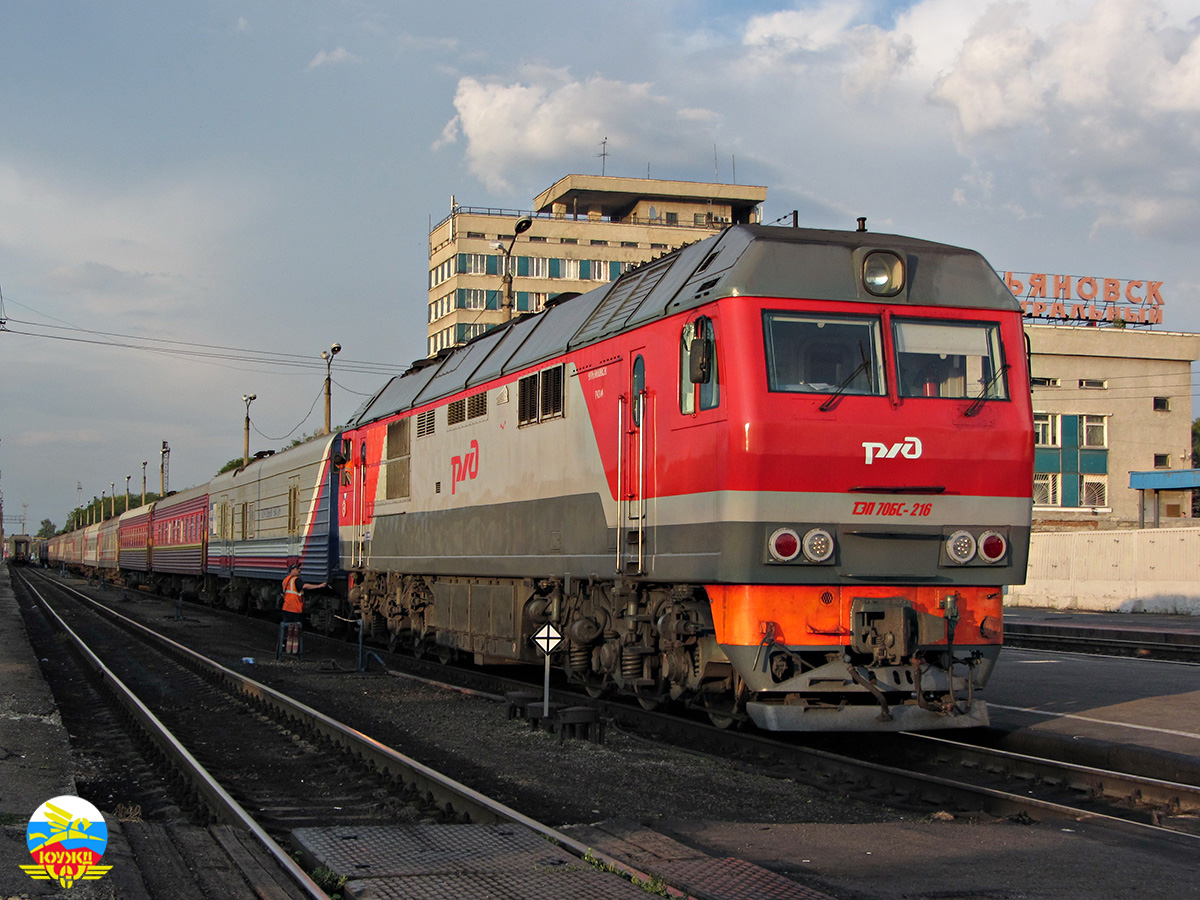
<point x="961" y="360"/>
<point x="699" y="381"/>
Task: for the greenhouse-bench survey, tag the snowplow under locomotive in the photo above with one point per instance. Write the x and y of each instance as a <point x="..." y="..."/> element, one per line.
<point x="780" y="473"/>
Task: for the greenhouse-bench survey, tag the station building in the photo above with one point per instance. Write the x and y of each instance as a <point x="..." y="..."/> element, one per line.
<point x="1110" y="396"/>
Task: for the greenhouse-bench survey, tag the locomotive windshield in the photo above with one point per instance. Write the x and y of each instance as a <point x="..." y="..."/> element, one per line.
<point x="943" y="359"/>
<point x="823" y="354"/>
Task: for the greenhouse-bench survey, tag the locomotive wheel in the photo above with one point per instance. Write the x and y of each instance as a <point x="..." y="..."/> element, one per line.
<point x="596" y="688"/>
<point x="722" y="710"/>
<point x="647" y="699"/>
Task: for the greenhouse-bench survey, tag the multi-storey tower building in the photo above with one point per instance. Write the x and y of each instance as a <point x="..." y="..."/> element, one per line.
<point x="583" y="231"/>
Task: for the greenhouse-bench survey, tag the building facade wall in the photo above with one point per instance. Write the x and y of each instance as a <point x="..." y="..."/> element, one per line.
<point x="1107" y="402"/>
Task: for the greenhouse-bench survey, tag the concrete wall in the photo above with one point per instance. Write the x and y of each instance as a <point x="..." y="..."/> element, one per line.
<point x="1152" y="570"/>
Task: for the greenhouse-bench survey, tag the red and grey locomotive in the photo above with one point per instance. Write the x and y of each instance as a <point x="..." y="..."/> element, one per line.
<point x="779" y="474"/>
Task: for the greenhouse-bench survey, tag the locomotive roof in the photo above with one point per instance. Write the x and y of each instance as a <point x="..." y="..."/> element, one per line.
<point x="743" y="260"/>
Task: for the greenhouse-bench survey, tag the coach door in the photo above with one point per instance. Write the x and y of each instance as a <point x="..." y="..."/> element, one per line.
<point x="634" y="469"/>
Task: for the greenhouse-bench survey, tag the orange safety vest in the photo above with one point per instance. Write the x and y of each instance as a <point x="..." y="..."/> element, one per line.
<point x="293" y="600"/>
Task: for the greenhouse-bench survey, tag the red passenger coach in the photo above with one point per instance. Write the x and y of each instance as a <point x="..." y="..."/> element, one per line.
<point x="178" y="536"/>
<point x="780" y="474"/>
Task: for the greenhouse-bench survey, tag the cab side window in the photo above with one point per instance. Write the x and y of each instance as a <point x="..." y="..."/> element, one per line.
<point x="699" y="374"/>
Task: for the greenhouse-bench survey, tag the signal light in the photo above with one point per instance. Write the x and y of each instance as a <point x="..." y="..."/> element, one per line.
<point x="784" y="544"/>
<point x="992" y="547"/>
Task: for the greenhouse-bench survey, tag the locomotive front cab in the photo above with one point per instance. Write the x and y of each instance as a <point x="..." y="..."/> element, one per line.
<point x="887" y="460"/>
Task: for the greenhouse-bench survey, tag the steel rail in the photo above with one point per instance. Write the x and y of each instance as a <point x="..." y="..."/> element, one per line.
<point x="216" y="797"/>
<point x="379" y="756"/>
<point x="1120" y="786"/>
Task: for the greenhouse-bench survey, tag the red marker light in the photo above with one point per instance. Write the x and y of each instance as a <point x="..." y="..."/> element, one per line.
<point x="992" y="546"/>
<point x="784" y="544"/>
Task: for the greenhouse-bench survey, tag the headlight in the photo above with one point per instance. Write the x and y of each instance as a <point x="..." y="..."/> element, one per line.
<point x="818" y="545"/>
<point x="883" y="273"/>
<point x="960" y="547"/>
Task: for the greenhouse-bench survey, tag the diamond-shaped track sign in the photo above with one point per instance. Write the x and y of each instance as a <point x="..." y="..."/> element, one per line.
<point x="547" y="639"/>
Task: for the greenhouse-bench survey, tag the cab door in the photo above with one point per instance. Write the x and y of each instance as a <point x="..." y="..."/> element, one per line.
<point x="635" y="474"/>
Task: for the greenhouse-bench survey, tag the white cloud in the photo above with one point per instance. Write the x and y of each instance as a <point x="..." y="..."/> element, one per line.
<point x="795" y="31"/>
<point x="1105" y="103"/>
<point x="513" y="128"/>
<point x="340" y="55"/>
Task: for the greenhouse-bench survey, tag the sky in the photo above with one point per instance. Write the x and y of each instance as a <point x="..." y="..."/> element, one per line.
<point x="196" y="199"/>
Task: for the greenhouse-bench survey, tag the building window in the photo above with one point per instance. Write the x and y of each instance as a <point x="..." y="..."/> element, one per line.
<point x="472" y="298"/>
<point x="1162" y="404"/>
<point x="568" y="240"/>
<point x="1093" y="384"/>
<point x="1046" y="489"/>
<point x="537" y="239"/>
<point x="569" y="268"/>
<point x="672" y="218"/>
<point x="1093" y="490"/>
<point x="1162" y="460"/>
<point x="1045" y="382"/>
<point x="1095" y="431"/>
<point x="599" y="270"/>
<point x="473" y="264"/>
<point x="595" y="243"/>
<point x="1046" y="429"/>
<point x="477" y="235"/>
<point x="629" y="243"/>
<point x="539" y="267"/>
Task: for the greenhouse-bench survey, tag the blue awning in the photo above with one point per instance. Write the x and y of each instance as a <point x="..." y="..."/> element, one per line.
<point x="1165" y="480"/>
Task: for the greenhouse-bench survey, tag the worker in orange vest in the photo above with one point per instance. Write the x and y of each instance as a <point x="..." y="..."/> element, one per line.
<point x="293" y="594"/>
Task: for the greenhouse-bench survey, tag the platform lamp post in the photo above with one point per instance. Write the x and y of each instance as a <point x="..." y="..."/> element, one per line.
<point x="144" y="461"/>
<point x="328" y="356"/>
<point x="101" y="516"/>
<point x="247" y="399"/>
<point x="112" y="503"/>
<point x="522" y="225"/>
<point x="127" y="477"/>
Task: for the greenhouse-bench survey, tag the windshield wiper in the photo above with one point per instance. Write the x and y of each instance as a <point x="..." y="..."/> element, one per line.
<point x="864" y="366"/>
<point x="983" y="397"/>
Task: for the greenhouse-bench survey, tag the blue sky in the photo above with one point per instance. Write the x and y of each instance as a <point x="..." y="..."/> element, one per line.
<point x="262" y="176"/>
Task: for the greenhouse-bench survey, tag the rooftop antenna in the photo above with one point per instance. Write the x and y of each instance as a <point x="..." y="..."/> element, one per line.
<point x="603" y="154"/>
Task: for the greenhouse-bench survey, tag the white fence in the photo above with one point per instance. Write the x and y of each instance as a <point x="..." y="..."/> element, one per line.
<point x="1150" y="570"/>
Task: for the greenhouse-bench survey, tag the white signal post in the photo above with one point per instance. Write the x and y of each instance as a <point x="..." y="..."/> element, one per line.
<point x="547" y="640"/>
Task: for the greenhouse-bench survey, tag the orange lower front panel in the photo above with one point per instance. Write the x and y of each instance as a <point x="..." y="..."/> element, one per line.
<point x="819" y="616"/>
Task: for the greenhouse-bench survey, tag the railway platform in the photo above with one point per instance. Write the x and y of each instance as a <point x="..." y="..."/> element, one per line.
<point x="1147" y="629"/>
<point x="1114" y="705"/>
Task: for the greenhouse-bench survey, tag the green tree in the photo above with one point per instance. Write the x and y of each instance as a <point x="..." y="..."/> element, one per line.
<point x="47" y="530"/>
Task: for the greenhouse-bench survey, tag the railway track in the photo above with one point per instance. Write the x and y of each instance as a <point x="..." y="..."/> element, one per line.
<point x="261" y="763"/>
<point x="911" y="771"/>
<point x="1150" y="645"/>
